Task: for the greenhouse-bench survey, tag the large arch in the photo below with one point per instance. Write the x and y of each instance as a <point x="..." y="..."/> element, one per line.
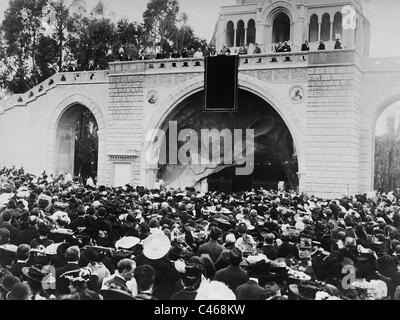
<point x="67" y="110"/>
<point x="383" y="100"/>
<point x="279" y="103"/>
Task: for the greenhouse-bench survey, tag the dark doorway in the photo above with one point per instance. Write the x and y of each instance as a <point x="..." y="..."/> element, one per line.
<point x="281" y="28"/>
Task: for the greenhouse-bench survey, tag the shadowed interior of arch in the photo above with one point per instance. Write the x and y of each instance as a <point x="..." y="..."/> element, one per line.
<point x="77" y="142"/>
<point x="275" y="157"/>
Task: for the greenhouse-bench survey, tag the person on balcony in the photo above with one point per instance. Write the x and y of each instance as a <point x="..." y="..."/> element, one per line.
<point x="198" y="54"/>
<point x="225" y="51"/>
<point x="321" y="45"/>
<point x="242" y="50"/>
<point x="279" y="47"/>
<point x="305" y="46"/>
<point x="286" y="47"/>
<point x="257" y="49"/>
<point x="175" y="54"/>
<point x="338" y="44"/>
<point x="184" y="53"/>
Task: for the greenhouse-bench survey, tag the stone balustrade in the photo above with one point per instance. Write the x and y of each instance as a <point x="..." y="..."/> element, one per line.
<point x="65" y="78"/>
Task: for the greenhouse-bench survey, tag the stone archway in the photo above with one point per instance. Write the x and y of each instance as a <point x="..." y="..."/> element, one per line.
<point x="261" y="89"/>
<point x="60" y="133"/>
<point x="382" y="100"/>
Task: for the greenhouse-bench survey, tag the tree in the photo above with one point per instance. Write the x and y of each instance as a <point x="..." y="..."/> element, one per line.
<point x="91" y="45"/>
<point x="21" y="30"/>
<point x="387" y="151"/>
<point x="130" y="38"/>
<point x="160" y="19"/>
<point x="64" y="16"/>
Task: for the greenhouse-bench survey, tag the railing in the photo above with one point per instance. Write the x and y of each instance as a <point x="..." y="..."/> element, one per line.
<point x="197" y="64"/>
<point x="57" y="79"/>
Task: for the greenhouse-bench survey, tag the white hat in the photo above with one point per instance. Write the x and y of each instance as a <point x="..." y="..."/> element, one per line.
<point x="156" y="246"/>
<point x="23" y="192"/>
<point x="380" y="220"/>
<point x="230" y="238"/>
<point x="127" y="243"/>
<point x="96" y="204"/>
<point x="61" y="215"/>
<point x="214" y="290"/>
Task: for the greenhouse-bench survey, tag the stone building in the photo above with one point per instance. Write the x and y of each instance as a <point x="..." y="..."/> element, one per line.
<point x="314" y="113"/>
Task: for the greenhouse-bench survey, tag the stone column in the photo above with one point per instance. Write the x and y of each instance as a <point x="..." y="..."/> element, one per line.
<point x="319" y="31"/>
<point x="245" y="36"/>
<point x="332" y="35"/>
<point x="235" y="37"/>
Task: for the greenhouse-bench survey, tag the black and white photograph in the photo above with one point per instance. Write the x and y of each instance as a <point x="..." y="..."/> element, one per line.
<point x="182" y="150"/>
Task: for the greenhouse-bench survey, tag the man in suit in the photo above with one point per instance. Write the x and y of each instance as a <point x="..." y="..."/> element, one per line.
<point x="338" y="45"/>
<point x="14" y="232"/>
<point x="305" y="46"/>
<point x="251" y="290"/>
<point x="212" y="247"/>
<point x="268" y="248"/>
<point x="30" y="233"/>
<point x="273" y="284"/>
<point x="233" y="276"/>
<point x="72" y="256"/>
<point x="145" y="276"/>
<point x="23" y="255"/>
<point x="123" y="278"/>
<point x="321" y="46"/>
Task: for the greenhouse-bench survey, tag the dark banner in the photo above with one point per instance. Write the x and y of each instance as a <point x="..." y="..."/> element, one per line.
<point x="221" y="83"/>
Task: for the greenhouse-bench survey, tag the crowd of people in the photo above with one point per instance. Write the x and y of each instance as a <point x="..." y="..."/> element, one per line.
<point x="61" y="239"/>
<point x="225" y="50"/>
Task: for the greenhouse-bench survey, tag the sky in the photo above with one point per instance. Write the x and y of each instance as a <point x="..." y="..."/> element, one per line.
<point x="383" y="15"/>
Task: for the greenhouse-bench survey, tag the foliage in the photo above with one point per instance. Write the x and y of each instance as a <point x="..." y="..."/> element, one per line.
<point x="387" y="153"/>
<point x="41" y="37"/>
<point x="164" y="28"/>
<point x="21" y="30"/>
<point x="86" y="146"/>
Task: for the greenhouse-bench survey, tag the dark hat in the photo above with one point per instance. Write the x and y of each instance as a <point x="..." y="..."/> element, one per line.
<point x="242" y="227"/>
<point x="34" y="273"/>
<point x="193" y="271"/>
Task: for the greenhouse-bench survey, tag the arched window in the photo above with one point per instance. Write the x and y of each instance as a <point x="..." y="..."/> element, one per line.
<point x="281" y="28"/>
<point x="251" y="32"/>
<point x="313" y="36"/>
<point x="326" y="27"/>
<point x="230" y="34"/>
<point x="240" y="34"/>
<point x="337" y="25"/>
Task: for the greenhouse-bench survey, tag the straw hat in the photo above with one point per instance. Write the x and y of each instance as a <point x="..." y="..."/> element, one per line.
<point x="156" y="246"/>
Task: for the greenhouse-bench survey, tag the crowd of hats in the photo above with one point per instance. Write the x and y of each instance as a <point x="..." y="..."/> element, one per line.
<point x="316" y="238"/>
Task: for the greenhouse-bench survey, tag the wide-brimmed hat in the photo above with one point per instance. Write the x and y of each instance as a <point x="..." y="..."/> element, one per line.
<point x="156" y="246"/>
<point x="127" y="243"/>
<point x="34" y="273"/>
<point x="78" y="276"/>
